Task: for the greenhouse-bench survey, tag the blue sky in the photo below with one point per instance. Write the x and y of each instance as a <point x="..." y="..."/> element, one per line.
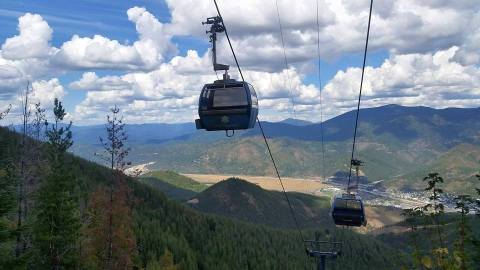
<point x="140" y="53"/>
<point x="84" y="18"/>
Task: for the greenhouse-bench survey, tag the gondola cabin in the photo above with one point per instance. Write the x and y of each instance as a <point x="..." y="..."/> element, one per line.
<point x="227" y="105"/>
<point x="348" y="210"/>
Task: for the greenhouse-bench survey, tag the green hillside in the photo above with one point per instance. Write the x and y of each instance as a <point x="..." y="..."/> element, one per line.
<point x="458" y="167"/>
<point x="200" y="241"/>
<point x="176" y="180"/>
<point x="169" y="190"/>
<point x="245" y="201"/>
<point x="295" y="158"/>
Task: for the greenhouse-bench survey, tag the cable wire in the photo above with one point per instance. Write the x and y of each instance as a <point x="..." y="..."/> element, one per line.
<point x="359" y="97"/>
<point x="292" y="212"/>
<point x="321" y="102"/>
<point x="280" y="27"/>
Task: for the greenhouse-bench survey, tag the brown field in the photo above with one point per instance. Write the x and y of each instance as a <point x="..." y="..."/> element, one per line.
<point x="310" y="186"/>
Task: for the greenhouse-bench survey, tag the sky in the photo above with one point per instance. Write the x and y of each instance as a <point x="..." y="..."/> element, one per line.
<point x="152" y="57"/>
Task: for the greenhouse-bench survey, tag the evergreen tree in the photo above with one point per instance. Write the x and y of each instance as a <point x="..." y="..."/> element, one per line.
<point x="165" y="262"/>
<point x="435" y="210"/>
<point x="110" y="213"/>
<point x="7" y="199"/>
<point x="412" y="218"/>
<point x="57" y="224"/>
<point x="462" y="203"/>
<point x="476" y="240"/>
<point x="39" y="121"/>
<point x="7" y="204"/>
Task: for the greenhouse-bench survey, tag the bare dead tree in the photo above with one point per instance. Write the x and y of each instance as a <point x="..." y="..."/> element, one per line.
<point x="21" y="244"/>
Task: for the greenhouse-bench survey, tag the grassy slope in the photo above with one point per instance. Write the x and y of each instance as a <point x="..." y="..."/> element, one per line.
<point x="170" y="190"/>
<point x="177" y="180"/>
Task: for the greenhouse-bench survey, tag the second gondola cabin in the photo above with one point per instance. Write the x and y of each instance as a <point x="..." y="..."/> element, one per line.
<point x="227" y="104"/>
<point x="348" y="210"/>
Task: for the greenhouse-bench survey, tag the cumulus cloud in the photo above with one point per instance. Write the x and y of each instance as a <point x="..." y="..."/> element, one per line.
<point x="398" y="26"/>
<point x="32" y="41"/>
<point x="26" y="56"/>
<point x="45" y="92"/>
<point x="432" y="79"/>
<point x="174" y="88"/>
<point x="99" y="52"/>
<point x="432" y="45"/>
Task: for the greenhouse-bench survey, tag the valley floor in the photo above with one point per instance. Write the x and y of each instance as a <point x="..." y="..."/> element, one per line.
<point x="309" y="186"/>
<point x="319" y="187"/>
<point x="379" y="202"/>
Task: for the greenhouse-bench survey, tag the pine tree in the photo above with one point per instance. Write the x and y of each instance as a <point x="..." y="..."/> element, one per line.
<point x="435" y="210"/>
<point x="412" y="218"/>
<point x="39" y="121"/>
<point x="110" y="212"/>
<point x="475" y="241"/>
<point x="57" y="224"/>
<point x="7" y="199"/>
<point x="165" y="262"/>
<point x="462" y="203"/>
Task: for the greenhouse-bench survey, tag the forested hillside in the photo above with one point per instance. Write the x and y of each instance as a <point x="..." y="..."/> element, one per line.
<point x="148" y="227"/>
<point x="242" y="200"/>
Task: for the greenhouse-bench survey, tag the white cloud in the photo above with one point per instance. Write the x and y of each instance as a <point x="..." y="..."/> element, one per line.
<point x="399" y="26"/>
<point x="174" y="87"/>
<point x="99" y="52"/>
<point x="435" y="80"/>
<point x="46" y="91"/>
<point x="90" y="81"/>
<point x="469" y="52"/>
<point x="433" y="47"/>
<point x="171" y="88"/>
<point x="25" y="57"/>
<point x="32" y="41"/>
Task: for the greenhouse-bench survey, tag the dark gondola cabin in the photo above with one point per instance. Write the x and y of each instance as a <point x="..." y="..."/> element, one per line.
<point x="348" y="210"/>
<point x="227" y="105"/>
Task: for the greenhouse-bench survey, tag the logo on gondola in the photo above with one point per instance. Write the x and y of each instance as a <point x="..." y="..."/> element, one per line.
<point x="225" y="119"/>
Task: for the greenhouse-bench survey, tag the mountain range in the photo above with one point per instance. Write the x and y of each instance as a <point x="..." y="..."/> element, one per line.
<point x="398" y="145"/>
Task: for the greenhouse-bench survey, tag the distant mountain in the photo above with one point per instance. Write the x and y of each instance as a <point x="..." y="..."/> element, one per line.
<point x="393" y="141"/>
<point x="458" y="167"/>
<point x="239" y="199"/>
<point x="137" y="133"/>
<point x="295" y="122"/>
<point x="445" y="126"/>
